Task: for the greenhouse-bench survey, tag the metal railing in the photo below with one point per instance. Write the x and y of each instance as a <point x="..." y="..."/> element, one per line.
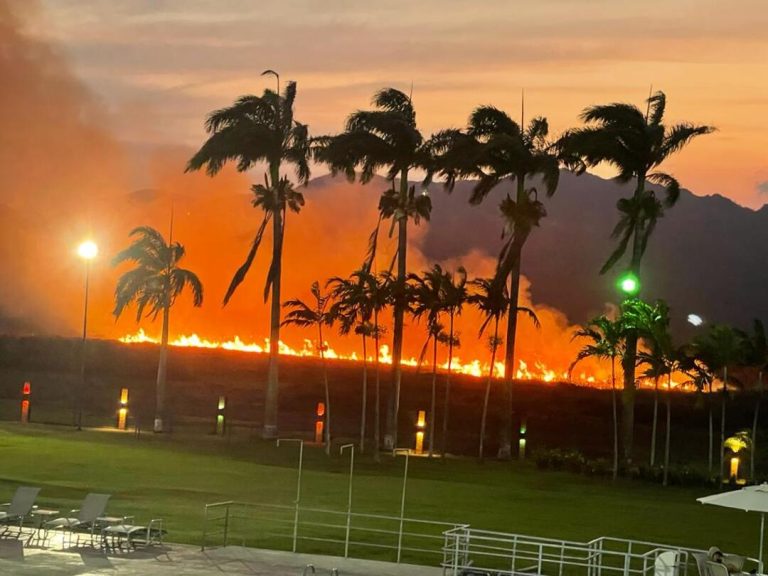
<point x="316" y="530"/>
<point x="481" y="552"/>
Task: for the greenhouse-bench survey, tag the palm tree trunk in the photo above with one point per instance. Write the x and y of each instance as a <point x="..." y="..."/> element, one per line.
<point x="327" y="392"/>
<point x="668" y="431"/>
<point x="488" y="387"/>
<point x="273" y="385"/>
<point x="162" y="369"/>
<point x="364" y="408"/>
<point x="432" y="403"/>
<point x="628" y="362"/>
<point x="722" y="422"/>
<point x="505" y="440"/>
<point x="615" y="420"/>
<point x="446" y="403"/>
<point x="390" y="438"/>
<point x="711" y="430"/>
<point x="377" y="407"/>
<point x="755" y="420"/>
<point x="655" y="420"/>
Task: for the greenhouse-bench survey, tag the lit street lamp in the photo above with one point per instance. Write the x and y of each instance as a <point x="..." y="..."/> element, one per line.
<point x="629" y="284"/>
<point x="87" y="251"/>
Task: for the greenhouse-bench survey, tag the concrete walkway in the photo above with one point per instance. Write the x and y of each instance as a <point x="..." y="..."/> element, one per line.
<point x="182" y="560"/>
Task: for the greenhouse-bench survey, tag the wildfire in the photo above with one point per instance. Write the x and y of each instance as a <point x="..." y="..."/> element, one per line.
<point x="538" y="371"/>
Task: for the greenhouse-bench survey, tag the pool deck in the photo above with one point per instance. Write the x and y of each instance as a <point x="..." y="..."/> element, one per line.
<point x="184" y="560"/>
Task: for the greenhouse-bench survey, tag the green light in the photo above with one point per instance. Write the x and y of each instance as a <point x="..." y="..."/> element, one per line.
<point x="629" y="284"/>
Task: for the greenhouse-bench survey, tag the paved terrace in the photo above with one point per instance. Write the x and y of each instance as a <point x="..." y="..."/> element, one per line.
<point x="183" y="560"/>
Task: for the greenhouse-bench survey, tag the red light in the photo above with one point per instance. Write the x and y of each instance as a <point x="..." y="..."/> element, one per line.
<point x="321" y="408"/>
<point x="27" y="389"/>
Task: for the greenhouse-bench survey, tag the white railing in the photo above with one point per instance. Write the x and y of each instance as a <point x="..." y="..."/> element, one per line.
<point x="468" y="551"/>
<point x="392" y="538"/>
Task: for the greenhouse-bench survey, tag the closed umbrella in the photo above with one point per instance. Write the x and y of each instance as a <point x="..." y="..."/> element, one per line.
<point x="749" y="499"/>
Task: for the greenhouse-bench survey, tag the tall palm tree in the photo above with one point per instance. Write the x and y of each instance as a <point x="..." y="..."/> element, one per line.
<point x="427" y="297"/>
<point x="455" y="295"/>
<point x="636" y="143"/>
<point x="495" y="149"/>
<point x="719" y="349"/>
<point x="387" y="139"/>
<point x="262" y="129"/>
<point x="606" y="341"/>
<point x="353" y="307"/>
<point x="153" y="285"/>
<point x="757" y="357"/>
<point x="315" y="315"/>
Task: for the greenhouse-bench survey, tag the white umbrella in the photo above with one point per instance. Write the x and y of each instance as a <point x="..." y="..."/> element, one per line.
<point x="749" y="499"/>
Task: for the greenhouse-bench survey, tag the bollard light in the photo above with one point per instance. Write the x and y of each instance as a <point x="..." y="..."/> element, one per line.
<point x="734" y="468"/>
<point x="220" y="409"/>
<point x="320" y="422"/>
<point x="523" y="431"/>
<point x="421" y="423"/>
<point x="26" y="391"/>
<point x="122" y="413"/>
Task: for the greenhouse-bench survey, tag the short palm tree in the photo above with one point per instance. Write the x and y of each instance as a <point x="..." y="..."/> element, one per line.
<point x="315" y="315"/>
<point x="492" y="299"/>
<point x="636" y="143"/>
<point x="262" y="129"/>
<point x="455" y="295"/>
<point x="427" y="298"/>
<point x="388" y="139"/>
<point x="153" y="285"/>
<point x="719" y="349"/>
<point x="495" y="149"/>
<point x="606" y="341"/>
<point x="353" y="308"/>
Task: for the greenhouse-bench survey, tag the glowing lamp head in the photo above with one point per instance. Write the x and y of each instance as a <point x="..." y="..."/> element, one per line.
<point x="695" y="320"/>
<point x="87" y="250"/>
<point x="629" y="284"/>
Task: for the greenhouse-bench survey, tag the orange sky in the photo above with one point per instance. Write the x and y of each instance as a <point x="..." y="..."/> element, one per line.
<point x="160" y="68"/>
<point x="104" y="99"/>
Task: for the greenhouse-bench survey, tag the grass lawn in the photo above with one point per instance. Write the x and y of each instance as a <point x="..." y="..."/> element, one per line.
<point x="173" y="477"/>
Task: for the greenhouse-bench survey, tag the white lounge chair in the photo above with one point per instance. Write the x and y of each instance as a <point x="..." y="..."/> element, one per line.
<point x="18" y="509"/>
<point x="85" y="522"/>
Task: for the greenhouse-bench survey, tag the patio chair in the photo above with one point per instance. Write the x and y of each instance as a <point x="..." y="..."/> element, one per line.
<point x="665" y="564"/>
<point x="85" y="522"/>
<point x="18" y="509"/>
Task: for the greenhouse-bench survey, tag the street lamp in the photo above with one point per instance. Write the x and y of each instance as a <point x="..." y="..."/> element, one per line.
<point x="298" y="488"/>
<point x="351" y="448"/>
<point x="629" y="284"/>
<point x="87" y="251"/>
<point x="407" y="453"/>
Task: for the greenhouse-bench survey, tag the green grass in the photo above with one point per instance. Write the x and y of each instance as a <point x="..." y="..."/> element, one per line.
<point x="173" y="477"/>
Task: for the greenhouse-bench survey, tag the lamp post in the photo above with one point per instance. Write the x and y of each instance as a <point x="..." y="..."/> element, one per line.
<point x="298" y="488"/>
<point x="407" y="452"/>
<point x="87" y="251"/>
<point x="351" y="448"/>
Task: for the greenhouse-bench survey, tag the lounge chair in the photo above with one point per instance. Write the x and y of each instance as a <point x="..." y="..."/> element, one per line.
<point x="665" y="564"/>
<point x="18" y="509"/>
<point x="85" y="522"/>
<point x="133" y="534"/>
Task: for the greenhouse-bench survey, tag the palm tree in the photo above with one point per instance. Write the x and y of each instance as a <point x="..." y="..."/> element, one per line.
<point x="636" y="144"/>
<point x="427" y="297"/>
<point x="492" y="299"/>
<point x="606" y="338"/>
<point x="718" y="349"/>
<point x="386" y="138"/>
<point x="495" y="148"/>
<point x="455" y="296"/>
<point x="262" y="129"/>
<point x="153" y="285"/>
<point x="318" y="315"/>
<point x="353" y="307"/>
<point x="757" y="357"/>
